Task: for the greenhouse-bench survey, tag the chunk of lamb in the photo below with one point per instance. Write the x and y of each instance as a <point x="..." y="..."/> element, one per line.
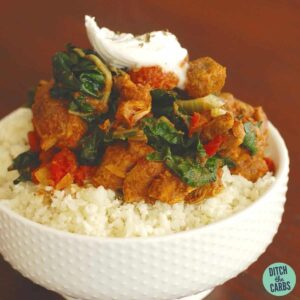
<point x="251" y="167"/>
<point x="204" y="76"/>
<point x="168" y="188"/>
<point x="217" y="126"/>
<point x="117" y="161"/>
<point x="227" y="126"/>
<point x="139" y="178"/>
<point x="205" y="191"/>
<point x="52" y="121"/>
<point x="134" y="103"/>
<point x="237" y="107"/>
<point x="245" y="112"/>
<point x="234" y="138"/>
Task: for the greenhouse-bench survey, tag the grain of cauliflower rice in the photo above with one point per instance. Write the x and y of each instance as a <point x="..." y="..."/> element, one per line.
<point x="97" y="211"/>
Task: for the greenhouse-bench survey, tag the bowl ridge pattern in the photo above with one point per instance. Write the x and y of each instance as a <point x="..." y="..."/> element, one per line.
<point x="113" y="272"/>
<point x="158" y="268"/>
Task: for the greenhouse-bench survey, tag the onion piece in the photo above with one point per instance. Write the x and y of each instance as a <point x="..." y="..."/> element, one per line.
<point x="208" y="102"/>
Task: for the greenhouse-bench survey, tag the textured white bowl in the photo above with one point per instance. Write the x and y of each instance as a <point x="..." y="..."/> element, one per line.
<point x="162" y="268"/>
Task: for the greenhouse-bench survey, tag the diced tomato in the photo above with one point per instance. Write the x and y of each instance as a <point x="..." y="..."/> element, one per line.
<point x="62" y="163"/>
<point x="46" y="156"/>
<point x="270" y="164"/>
<point x="155" y="77"/>
<point x="197" y="120"/>
<point x="83" y="173"/>
<point x="213" y="146"/>
<point x="34" y="141"/>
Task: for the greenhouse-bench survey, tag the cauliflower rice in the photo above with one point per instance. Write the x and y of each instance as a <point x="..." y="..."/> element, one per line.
<point x="99" y="212"/>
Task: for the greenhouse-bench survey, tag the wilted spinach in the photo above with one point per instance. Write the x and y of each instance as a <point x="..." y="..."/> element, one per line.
<point x="73" y="73"/>
<point x="161" y="100"/>
<point x="91" y="147"/>
<point x="80" y="105"/>
<point x="161" y="134"/>
<point x="162" y="105"/>
<point x="250" y="138"/>
<point x="180" y="154"/>
<point x="199" y="146"/>
<point x="24" y="163"/>
<point x="187" y="169"/>
<point x="226" y="161"/>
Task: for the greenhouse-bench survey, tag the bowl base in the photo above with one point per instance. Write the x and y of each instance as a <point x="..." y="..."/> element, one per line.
<point x="198" y="296"/>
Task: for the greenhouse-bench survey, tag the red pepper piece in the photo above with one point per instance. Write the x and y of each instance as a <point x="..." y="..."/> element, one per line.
<point x="83" y="173"/>
<point x="270" y="164"/>
<point x="155" y="77"/>
<point x="62" y="163"/>
<point x="213" y="146"/>
<point x="197" y="120"/>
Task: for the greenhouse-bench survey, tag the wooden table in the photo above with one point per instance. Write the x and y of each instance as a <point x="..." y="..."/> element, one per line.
<point x="258" y="41"/>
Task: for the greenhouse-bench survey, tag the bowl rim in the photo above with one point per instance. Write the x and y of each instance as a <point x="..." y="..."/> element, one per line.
<point x="280" y="176"/>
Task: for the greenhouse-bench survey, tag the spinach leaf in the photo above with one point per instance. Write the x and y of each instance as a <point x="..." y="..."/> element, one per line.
<point x="92" y="118"/>
<point x="83" y="65"/>
<point x="162" y="98"/>
<point x="60" y="92"/>
<point x="250" y="138"/>
<point x="122" y="135"/>
<point x="162" y="105"/>
<point x="155" y="156"/>
<point x="226" y="161"/>
<point x="73" y="73"/>
<point x="187" y="169"/>
<point x="160" y="133"/>
<point x="159" y="155"/>
<point x="191" y="171"/>
<point x="80" y="105"/>
<point x="199" y="148"/>
<point x="91" y="148"/>
<point x="24" y="175"/>
<point x="62" y="72"/>
<point x="24" y="163"/>
<point x="182" y="115"/>
<point x="91" y="83"/>
<point x="25" y="160"/>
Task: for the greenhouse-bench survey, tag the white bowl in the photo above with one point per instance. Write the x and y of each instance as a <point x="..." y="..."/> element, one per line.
<point x="167" y="267"/>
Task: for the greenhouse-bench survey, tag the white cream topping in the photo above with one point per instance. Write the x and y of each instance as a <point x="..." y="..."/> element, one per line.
<point x="124" y="50"/>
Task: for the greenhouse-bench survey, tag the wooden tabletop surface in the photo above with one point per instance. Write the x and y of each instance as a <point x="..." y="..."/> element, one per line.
<point x="259" y="43"/>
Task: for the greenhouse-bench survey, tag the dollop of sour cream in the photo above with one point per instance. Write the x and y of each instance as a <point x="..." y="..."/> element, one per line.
<point x="124" y="50"/>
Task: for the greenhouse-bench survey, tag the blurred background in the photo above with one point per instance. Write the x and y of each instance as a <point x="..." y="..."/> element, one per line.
<point x="259" y="43"/>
